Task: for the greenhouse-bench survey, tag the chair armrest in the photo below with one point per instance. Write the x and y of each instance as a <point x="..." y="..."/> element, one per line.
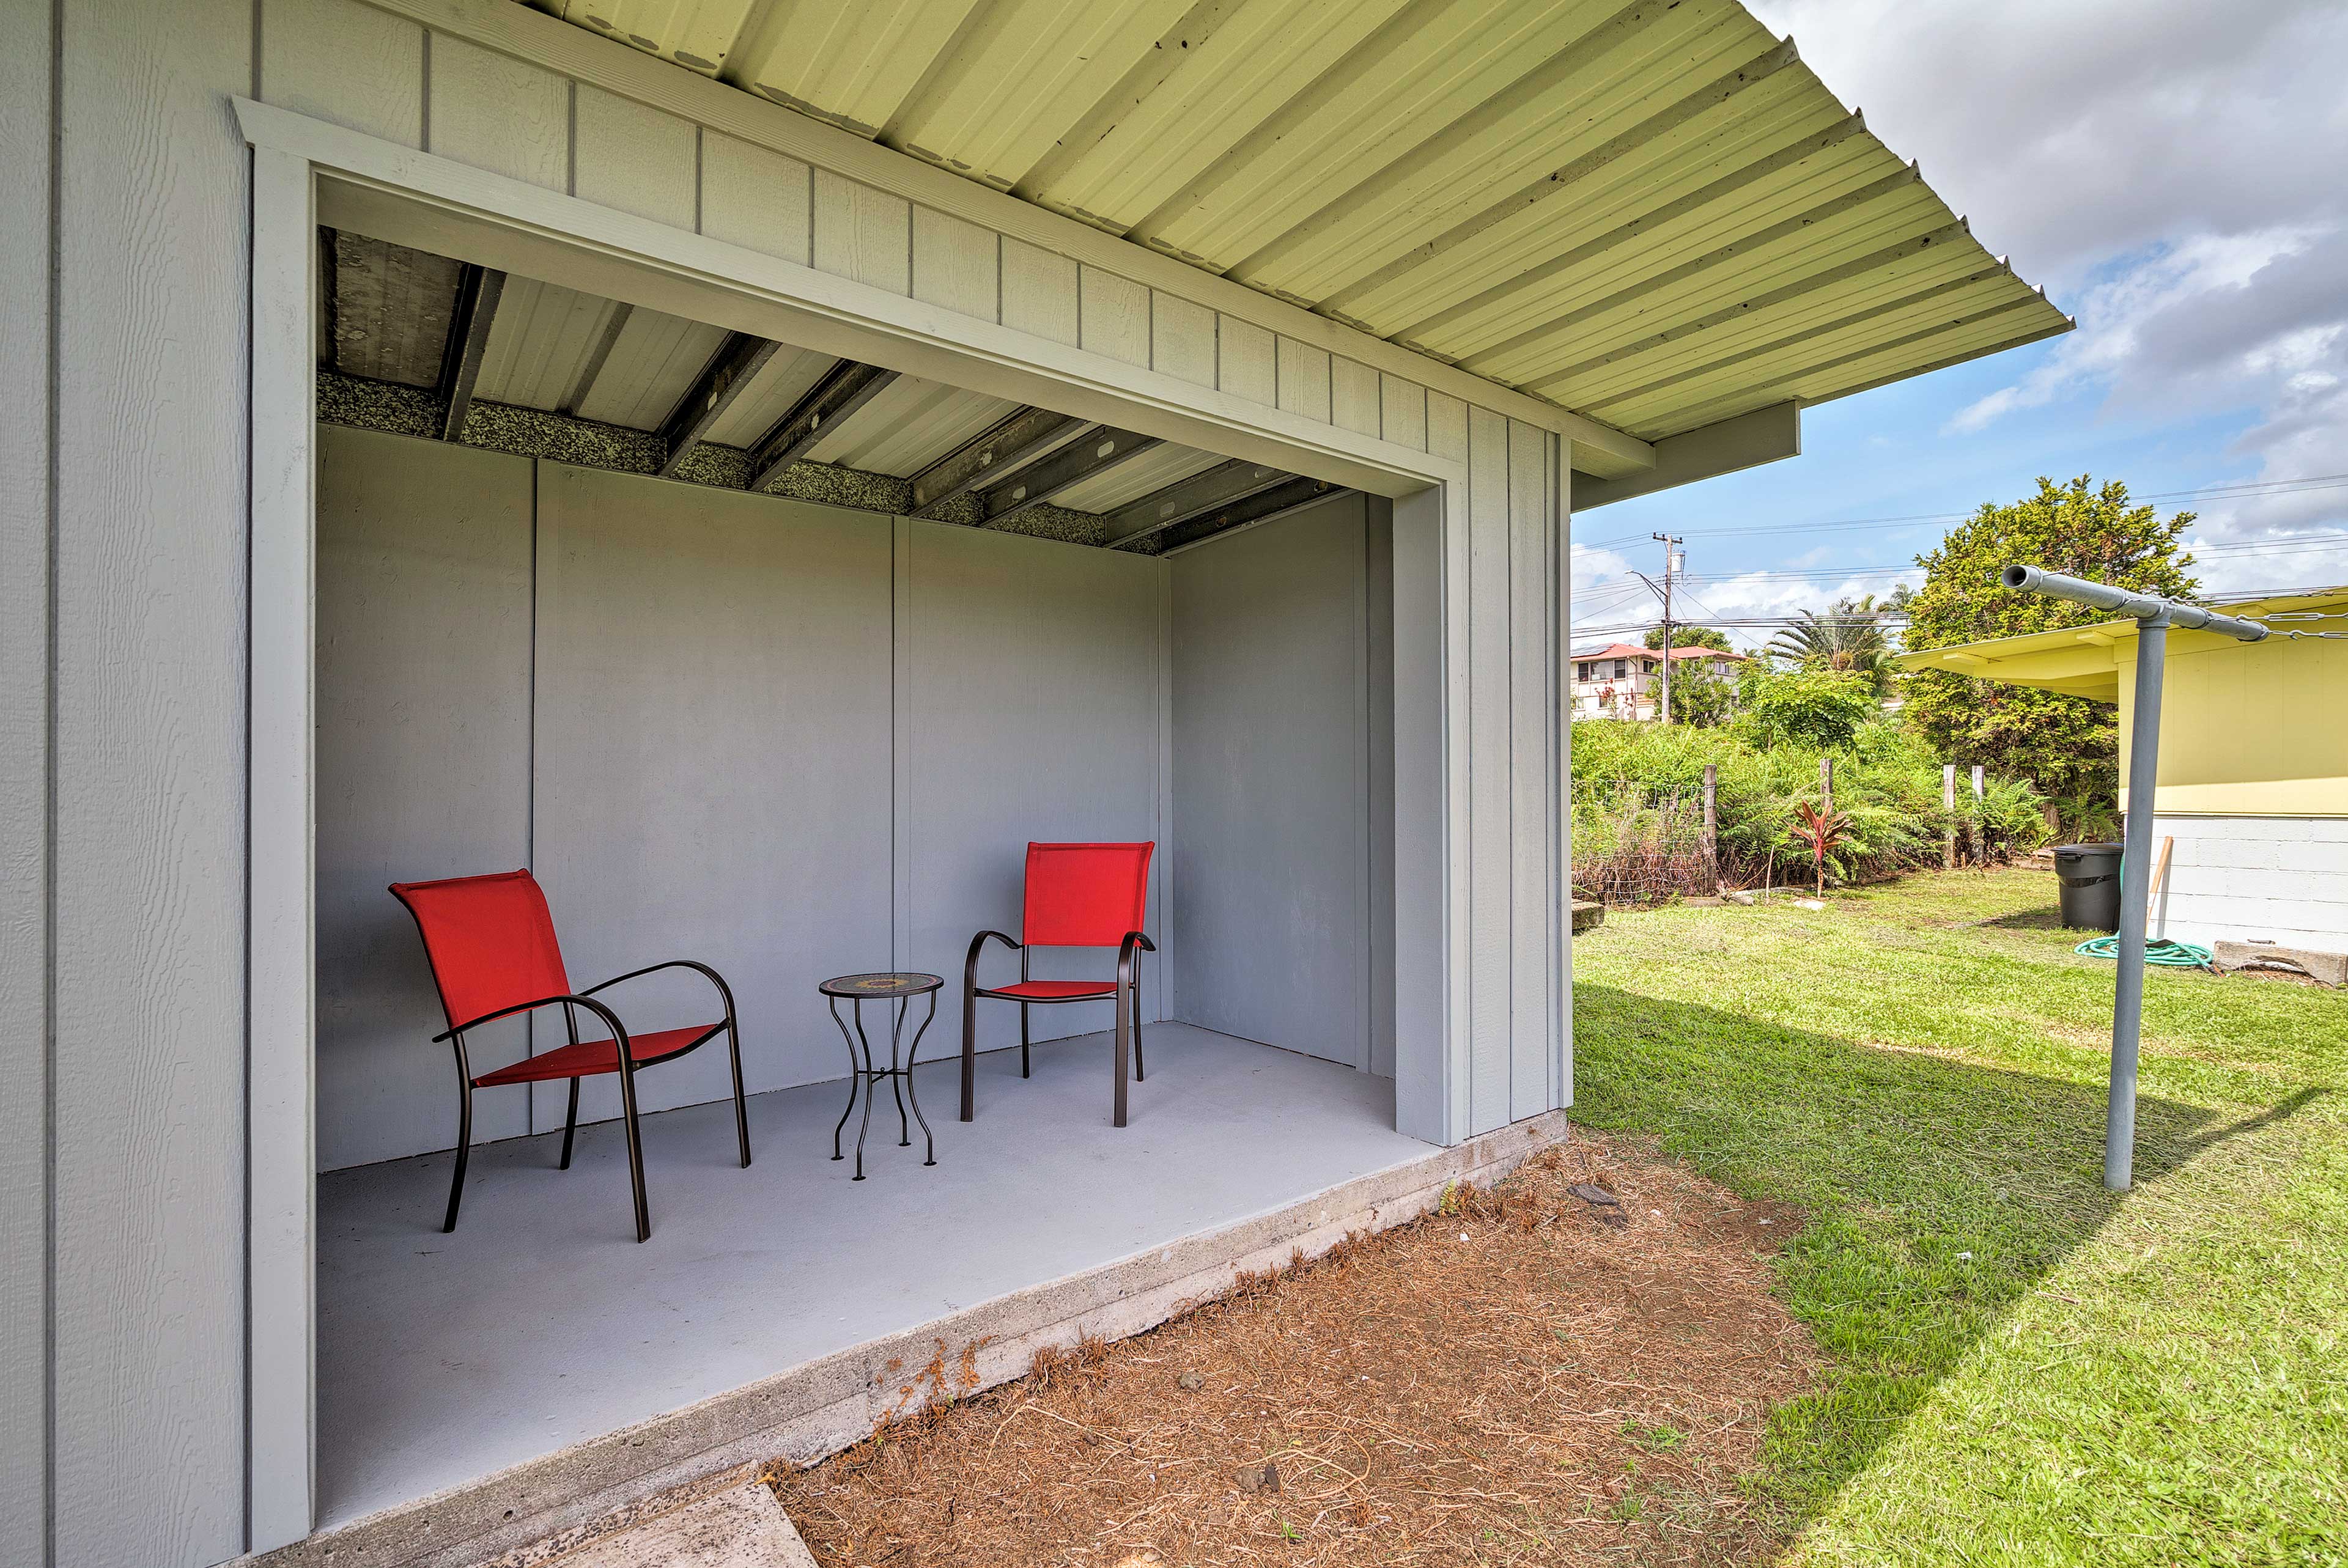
<point x="723" y="990"/>
<point x="977" y="945"/>
<point x="619" y="1030"/>
<point x="1135" y="941"/>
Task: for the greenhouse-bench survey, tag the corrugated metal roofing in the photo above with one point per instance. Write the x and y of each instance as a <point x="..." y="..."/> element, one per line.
<point x="1651" y="212"/>
<point x="1145" y="475"/>
<point x="652" y="362"/>
<point x="908" y="425"/>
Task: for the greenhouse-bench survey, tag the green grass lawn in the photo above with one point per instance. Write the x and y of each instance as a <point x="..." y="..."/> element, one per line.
<point x="2025" y="1368"/>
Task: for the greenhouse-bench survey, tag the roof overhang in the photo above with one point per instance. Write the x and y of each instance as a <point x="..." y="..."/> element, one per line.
<point x="1654" y="219"/>
<point x="2086" y="660"/>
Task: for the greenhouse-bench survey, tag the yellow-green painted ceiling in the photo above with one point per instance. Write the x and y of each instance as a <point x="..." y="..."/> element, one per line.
<point x="1650" y="214"/>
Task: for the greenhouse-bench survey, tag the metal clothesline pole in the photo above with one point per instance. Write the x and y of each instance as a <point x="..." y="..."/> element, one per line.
<point x="2154" y="616"/>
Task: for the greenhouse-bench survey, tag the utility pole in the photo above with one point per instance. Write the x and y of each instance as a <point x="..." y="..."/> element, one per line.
<point x="2153" y="616"/>
<point x="1673" y="559"/>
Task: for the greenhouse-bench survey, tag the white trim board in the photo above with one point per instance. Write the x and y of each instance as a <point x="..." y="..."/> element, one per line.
<point x="307" y="172"/>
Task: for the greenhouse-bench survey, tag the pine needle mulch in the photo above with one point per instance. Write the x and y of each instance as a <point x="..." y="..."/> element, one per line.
<point x="1526" y="1377"/>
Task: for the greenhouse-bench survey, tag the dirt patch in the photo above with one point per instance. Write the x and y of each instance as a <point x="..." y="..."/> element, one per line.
<point x="1528" y="1377"/>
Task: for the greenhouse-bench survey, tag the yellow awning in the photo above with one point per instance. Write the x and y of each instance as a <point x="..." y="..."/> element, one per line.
<point x="2086" y="660"/>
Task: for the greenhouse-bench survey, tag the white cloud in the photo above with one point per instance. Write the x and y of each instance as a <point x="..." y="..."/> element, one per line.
<point x="2177" y="173"/>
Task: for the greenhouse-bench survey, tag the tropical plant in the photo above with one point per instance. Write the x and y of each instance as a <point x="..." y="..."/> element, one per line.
<point x="1808" y="705"/>
<point x="1848" y="640"/>
<point x="2068" y="745"/>
<point x="1823" y="831"/>
<point x="1700" y="695"/>
<point x="1635" y="785"/>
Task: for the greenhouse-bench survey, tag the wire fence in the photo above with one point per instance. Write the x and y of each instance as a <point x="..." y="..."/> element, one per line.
<point x="1637" y="843"/>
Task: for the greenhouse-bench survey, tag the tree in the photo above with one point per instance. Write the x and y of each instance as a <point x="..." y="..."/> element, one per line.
<point x="1808" y="705"/>
<point x="1700" y="696"/>
<point x="1691" y="637"/>
<point x="2065" y="745"/>
<point x="1849" y="639"/>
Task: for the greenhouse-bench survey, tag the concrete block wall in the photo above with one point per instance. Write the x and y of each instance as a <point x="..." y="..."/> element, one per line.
<point x="2245" y="878"/>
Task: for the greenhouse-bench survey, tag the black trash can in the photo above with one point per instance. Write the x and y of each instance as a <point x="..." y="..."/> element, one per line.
<point x="2090" y="895"/>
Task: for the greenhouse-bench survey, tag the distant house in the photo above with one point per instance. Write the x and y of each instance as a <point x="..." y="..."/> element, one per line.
<point x="2253" y="763"/>
<point x="1623" y="681"/>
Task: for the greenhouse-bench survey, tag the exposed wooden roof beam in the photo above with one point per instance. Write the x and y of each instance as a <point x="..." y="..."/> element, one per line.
<point x="478" y="292"/>
<point x="1025" y="434"/>
<point x="730" y="370"/>
<point x="845" y="388"/>
<point x="1178" y="503"/>
<point x="1259" y="507"/>
<point x="1080" y="460"/>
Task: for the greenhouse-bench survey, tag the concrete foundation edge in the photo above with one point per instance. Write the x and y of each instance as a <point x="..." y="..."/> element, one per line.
<point x="537" y="1509"/>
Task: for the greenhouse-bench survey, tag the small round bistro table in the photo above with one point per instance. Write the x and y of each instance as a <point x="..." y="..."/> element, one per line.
<point x="902" y="988"/>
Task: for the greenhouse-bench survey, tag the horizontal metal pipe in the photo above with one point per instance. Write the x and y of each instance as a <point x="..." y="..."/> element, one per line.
<point x="2135" y="605"/>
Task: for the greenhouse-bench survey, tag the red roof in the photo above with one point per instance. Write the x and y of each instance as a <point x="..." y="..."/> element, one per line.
<point x="1628" y="651"/>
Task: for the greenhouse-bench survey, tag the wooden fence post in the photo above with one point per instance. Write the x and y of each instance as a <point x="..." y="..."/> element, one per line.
<point x="1711" y="825"/>
<point x="1980" y="833"/>
<point x="1949" y="804"/>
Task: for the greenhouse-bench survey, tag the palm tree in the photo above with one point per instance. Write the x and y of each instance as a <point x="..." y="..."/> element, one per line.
<point x="1848" y="639"/>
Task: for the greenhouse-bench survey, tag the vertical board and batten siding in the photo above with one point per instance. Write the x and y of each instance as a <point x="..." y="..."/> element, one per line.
<point x="25" y="712"/>
<point x="635" y="159"/>
<point x="146" y="1310"/>
<point x="494" y="112"/>
<point x="756" y="197"/>
<point x="131" y="521"/>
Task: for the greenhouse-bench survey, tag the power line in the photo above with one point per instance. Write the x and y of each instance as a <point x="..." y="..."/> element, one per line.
<point x="2227" y="490"/>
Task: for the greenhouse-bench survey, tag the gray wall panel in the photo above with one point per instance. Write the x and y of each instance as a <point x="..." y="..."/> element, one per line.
<point x="24" y="231"/>
<point x="713" y="762"/>
<point x="148" y="956"/>
<point x="1271" y="766"/>
<point x="423" y="768"/>
<point x="1034" y="690"/>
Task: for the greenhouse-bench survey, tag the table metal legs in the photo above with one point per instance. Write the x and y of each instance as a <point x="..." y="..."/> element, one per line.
<point x="862" y="1074"/>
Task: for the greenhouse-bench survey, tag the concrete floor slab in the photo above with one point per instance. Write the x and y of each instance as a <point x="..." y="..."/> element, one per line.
<point x="542" y="1323"/>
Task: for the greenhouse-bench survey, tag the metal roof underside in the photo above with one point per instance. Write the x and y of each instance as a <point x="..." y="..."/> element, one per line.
<point x="647" y="392"/>
<point x="1652" y="214"/>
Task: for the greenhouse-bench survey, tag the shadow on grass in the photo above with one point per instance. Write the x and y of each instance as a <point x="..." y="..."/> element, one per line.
<point x="1938" y="1192"/>
<point x="2048" y="918"/>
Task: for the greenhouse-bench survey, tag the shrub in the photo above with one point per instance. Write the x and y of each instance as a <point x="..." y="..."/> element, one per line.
<point x="1638" y="812"/>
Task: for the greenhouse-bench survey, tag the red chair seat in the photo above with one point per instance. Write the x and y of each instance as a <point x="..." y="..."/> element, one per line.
<point x="1051" y="990"/>
<point x="590" y="1057"/>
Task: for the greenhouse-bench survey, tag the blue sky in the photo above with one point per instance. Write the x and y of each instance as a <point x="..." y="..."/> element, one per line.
<point x="2176" y="175"/>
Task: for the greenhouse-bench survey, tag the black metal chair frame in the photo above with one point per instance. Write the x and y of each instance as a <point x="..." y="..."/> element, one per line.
<point x="1126" y="995"/>
<point x="628" y="1068"/>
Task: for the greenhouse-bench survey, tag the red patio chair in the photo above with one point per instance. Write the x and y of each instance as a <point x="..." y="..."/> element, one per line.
<point x="1078" y="895"/>
<point x="491" y="945"/>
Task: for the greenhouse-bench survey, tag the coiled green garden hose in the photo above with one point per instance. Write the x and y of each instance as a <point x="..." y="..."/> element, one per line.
<point x="2160" y="951"/>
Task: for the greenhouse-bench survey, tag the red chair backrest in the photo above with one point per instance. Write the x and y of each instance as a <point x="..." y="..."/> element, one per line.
<point x="1085" y="894"/>
<point x="490" y="941"/>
